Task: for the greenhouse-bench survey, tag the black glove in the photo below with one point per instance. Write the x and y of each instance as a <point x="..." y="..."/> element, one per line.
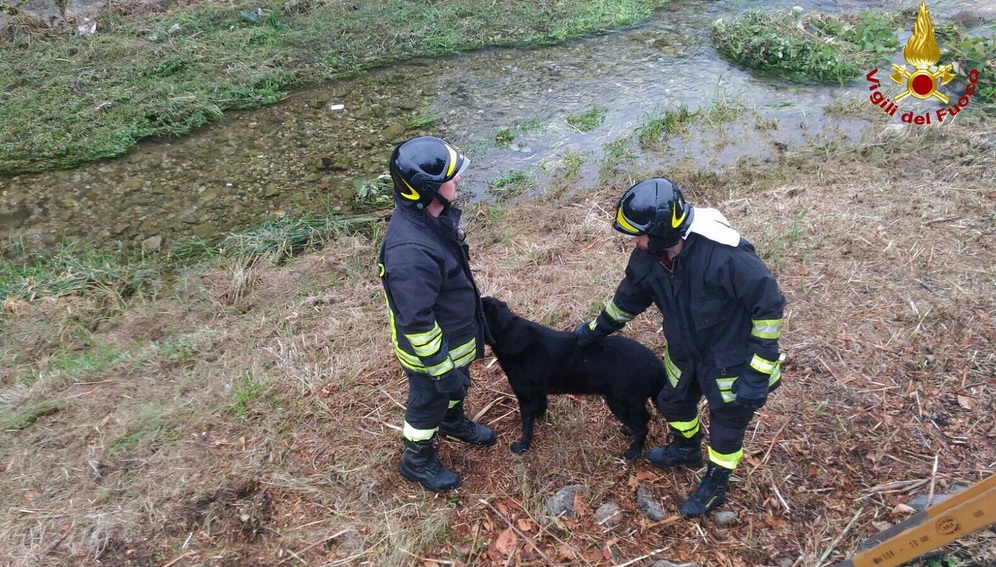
<point x="453" y="384"/>
<point x="751" y="392"/>
<point x="585" y="335"/>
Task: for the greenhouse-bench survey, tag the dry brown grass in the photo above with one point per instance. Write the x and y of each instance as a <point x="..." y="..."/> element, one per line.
<point x="253" y="419"/>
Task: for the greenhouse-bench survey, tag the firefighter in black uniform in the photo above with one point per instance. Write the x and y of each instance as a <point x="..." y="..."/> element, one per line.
<point x="434" y="306"/>
<point x="722" y="320"/>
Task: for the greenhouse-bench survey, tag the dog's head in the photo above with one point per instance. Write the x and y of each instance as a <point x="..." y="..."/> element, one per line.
<point x="498" y="316"/>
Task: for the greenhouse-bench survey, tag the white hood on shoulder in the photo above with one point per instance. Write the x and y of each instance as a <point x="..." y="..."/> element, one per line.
<point x="711" y="224"/>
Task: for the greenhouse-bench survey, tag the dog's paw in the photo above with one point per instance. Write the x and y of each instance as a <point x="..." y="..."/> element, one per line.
<point x="519" y="447"/>
<point x="632" y="454"/>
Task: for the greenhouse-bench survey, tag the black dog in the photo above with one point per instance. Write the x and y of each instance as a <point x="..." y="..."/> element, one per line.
<point x="540" y="361"/>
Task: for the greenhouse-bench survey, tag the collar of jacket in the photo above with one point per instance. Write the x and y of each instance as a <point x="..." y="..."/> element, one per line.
<point x="448" y="221"/>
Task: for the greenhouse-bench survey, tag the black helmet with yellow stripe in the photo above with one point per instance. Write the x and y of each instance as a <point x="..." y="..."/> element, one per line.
<point x="420" y="165"/>
<point x="655" y="207"/>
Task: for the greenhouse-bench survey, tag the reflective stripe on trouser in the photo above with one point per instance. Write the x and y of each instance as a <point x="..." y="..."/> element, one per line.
<point x="727" y="426"/>
<point x="687" y="429"/>
<point x="426" y="406"/>
<point x="725" y="460"/>
<point x="672" y="370"/>
<point x="727" y="422"/>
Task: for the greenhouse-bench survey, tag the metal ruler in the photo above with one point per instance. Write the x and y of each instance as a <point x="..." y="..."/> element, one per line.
<point x="961" y="514"/>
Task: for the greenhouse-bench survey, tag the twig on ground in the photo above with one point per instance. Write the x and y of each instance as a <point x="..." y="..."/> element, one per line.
<point x="837" y="539"/>
<point x="774" y="439"/>
<point x="933" y="479"/>
<point x="491" y="404"/>
<point x="665" y="521"/>
<point x="180" y="558"/>
<point x="897" y="486"/>
<point x="312" y="546"/>
<point x="518" y="532"/>
<point x="774" y="487"/>
<point x="426" y="559"/>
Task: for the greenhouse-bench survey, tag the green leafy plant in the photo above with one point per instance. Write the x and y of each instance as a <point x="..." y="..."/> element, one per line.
<point x="822" y="48"/>
<point x="588" y="121"/>
<point x="972" y="53"/>
<point x="514" y="184"/>
<point x="372" y="194"/>
<point x="664" y="121"/>
<point x="423" y="120"/>
<point x="504" y="137"/>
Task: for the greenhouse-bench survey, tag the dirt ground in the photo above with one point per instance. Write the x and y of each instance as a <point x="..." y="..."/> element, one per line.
<point x="249" y="413"/>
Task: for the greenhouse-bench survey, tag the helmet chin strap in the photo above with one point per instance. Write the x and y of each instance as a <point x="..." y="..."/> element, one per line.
<point x="446" y="203"/>
<point x="657" y="244"/>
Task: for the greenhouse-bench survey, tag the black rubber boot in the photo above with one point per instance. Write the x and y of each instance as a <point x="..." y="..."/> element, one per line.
<point x="680" y="452"/>
<point x="456" y="425"/>
<point x="419" y="464"/>
<point x="710" y="493"/>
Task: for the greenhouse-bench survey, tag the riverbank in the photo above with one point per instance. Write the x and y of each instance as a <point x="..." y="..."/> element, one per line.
<point x="246" y="409"/>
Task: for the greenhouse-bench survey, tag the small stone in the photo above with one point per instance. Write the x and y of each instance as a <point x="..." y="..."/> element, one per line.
<point x="152" y="244"/>
<point x="646" y="504"/>
<point x="724" y="518"/>
<point x="609" y="514"/>
<point x="562" y="503"/>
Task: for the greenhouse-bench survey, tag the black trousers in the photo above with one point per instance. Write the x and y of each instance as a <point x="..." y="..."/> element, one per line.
<point x="727" y="421"/>
<point x="426" y="406"/>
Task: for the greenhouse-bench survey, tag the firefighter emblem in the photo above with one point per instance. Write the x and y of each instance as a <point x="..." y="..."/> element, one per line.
<point x="922" y="53"/>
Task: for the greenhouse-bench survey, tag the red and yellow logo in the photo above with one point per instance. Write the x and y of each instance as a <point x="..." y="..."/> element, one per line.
<point x="922" y="53"/>
<point x="924" y="80"/>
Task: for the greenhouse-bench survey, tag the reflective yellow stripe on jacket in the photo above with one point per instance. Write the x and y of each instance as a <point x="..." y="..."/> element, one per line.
<point x="428" y="344"/>
<point x="770" y="329"/>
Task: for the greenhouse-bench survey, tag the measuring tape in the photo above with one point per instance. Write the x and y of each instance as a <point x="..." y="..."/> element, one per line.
<point x="961" y="514"/>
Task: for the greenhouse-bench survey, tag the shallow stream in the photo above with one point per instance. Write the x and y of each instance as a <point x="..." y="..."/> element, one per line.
<point x="308" y="153"/>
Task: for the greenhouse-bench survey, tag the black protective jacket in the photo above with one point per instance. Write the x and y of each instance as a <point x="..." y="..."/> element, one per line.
<point x="722" y="310"/>
<point x="436" y="317"/>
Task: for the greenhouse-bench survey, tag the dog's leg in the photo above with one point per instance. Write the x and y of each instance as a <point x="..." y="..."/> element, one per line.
<point x="541" y="412"/>
<point x="634" y="420"/>
<point x="528" y="409"/>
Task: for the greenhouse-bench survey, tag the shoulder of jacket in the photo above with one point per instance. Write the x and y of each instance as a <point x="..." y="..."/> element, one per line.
<point x="712" y="225"/>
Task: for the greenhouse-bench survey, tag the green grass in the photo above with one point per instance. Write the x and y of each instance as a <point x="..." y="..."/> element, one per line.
<point x="588" y="121"/>
<point x="24" y="418"/>
<point x="505" y="136"/>
<point x="71" y="269"/>
<point x="146" y="424"/>
<point x="513" y="185"/>
<point x="246" y="393"/>
<point x="68" y="99"/>
<point x="424" y="119"/>
<point x="818" y="48"/>
<point x="663" y="122"/>
<point x="75" y="269"/>
<point x="92" y="360"/>
<point x="971" y="52"/>
<point x="616" y="153"/>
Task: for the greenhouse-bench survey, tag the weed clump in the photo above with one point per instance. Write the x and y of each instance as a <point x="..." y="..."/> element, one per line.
<point x="820" y="48"/>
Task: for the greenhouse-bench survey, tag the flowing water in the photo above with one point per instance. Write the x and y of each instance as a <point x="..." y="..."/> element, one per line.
<point x="308" y="153"/>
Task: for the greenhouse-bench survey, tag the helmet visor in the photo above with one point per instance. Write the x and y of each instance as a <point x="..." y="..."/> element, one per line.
<point x="455" y="164"/>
